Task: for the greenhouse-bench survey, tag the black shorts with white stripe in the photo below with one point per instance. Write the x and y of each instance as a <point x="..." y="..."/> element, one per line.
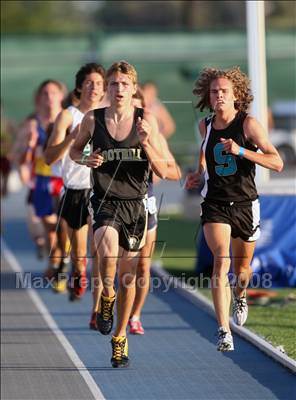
<point x="243" y="217"/>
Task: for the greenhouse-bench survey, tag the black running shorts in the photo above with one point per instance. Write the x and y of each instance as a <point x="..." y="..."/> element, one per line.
<point x="128" y="217"/>
<point x="243" y="217"/>
<point x="74" y="207"/>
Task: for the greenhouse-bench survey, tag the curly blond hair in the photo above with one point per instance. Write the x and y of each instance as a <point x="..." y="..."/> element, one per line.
<point x="240" y="84"/>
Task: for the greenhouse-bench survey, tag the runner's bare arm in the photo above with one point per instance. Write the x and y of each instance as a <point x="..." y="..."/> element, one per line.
<point x="193" y="178"/>
<point x="85" y="133"/>
<point x="201" y="166"/>
<point x="254" y="132"/>
<point x="82" y="138"/>
<point x="257" y="135"/>
<point x="59" y="141"/>
<point x="173" y="172"/>
<point x="148" y="134"/>
<point x="30" y="139"/>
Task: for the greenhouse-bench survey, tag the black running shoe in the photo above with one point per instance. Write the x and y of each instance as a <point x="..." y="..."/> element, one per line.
<point x="105" y="317"/>
<point x="119" y="352"/>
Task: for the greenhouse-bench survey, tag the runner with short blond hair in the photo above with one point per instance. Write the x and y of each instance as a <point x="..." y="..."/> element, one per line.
<point x="124" y="148"/>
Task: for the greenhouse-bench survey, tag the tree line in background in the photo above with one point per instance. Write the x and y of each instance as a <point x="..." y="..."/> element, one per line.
<point x="74" y="17"/>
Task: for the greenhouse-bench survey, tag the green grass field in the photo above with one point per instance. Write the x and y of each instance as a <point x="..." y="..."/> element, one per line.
<point x="173" y="248"/>
<point x="26" y="61"/>
<point x="274" y="321"/>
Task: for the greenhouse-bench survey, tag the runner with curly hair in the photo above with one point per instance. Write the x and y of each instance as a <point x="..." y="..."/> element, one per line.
<point x="230" y="213"/>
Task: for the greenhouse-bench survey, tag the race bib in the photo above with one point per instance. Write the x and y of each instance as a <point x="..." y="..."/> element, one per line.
<point x="151" y="205"/>
<point x="87" y="150"/>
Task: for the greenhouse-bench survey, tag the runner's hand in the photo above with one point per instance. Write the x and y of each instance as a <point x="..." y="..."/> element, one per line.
<point x="193" y="180"/>
<point x="230" y="146"/>
<point x="94" y="160"/>
<point x="143" y="130"/>
<point x="32" y="134"/>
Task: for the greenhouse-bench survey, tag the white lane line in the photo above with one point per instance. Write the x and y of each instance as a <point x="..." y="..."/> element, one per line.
<point x="93" y="387"/>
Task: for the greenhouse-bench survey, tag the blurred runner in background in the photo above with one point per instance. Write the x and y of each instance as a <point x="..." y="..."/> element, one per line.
<point x="166" y="123"/>
<point x="89" y="92"/>
<point x="145" y="257"/>
<point x="47" y="182"/>
<point x="7" y="137"/>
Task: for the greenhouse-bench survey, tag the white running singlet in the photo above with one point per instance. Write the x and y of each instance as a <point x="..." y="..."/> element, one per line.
<point x="75" y="176"/>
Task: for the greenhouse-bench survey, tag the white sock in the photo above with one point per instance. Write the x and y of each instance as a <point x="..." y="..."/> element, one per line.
<point x="135" y="318"/>
<point x="224" y="329"/>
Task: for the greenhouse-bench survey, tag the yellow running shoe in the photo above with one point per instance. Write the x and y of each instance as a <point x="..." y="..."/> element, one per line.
<point x="119" y="352"/>
<point x="59" y="285"/>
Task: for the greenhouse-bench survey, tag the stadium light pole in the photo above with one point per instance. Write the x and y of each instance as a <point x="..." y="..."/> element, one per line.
<point x="257" y="70"/>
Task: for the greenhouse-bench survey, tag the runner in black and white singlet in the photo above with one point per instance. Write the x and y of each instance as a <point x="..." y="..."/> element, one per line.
<point x="120" y="184"/>
<point x="124" y="173"/>
<point x="230" y="211"/>
<point x="230" y="179"/>
<point x="124" y="146"/>
<point x="89" y="90"/>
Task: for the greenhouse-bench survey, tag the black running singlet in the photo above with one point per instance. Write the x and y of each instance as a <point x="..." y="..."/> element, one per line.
<point x="228" y="177"/>
<point x="124" y="173"/>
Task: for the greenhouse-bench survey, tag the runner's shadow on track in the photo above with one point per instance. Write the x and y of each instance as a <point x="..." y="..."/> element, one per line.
<point x="247" y="357"/>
